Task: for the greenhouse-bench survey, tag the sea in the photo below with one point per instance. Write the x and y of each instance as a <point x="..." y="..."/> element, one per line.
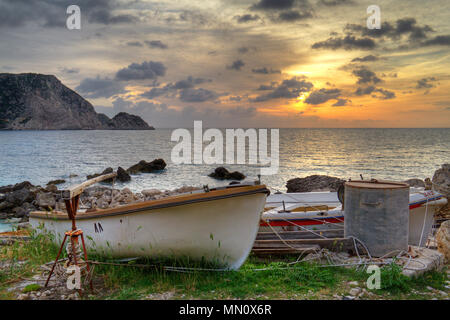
<point x="395" y="154"/>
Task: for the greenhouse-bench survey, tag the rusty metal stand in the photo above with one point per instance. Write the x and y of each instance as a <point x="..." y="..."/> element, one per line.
<point x="72" y="207"/>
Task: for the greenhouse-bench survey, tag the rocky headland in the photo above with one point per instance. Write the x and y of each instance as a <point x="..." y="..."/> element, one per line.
<point x="31" y="101"/>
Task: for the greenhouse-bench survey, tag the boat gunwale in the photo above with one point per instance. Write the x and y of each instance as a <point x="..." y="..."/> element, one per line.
<point x="168" y="202"/>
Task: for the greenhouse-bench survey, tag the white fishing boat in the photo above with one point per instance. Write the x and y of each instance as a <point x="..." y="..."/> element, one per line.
<point x="216" y="225"/>
<point x="323" y="210"/>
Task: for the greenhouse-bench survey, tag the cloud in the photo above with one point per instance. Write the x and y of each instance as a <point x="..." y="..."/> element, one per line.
<point x="385" y="94"/>
<point x="294" y="15"/>
<point x="424" y="83"/>
<point x="156" y="44"/>
<point x="273" y="5"/>
<point x="143" y="71"/>
<point x="405" y="26"/>
<point x="287" y="89"/>
<point x="247" y="18"/>
<point x="366" y="76"/>
<point x="69" y="70"/>
<point x="334" y="3"/>
<point x="368" y="58"/>
<point x="438" y="40"/>
<point x="197" y="95"/>
<point x="100" y="87"/>
<point x="50" y="13"/>
<point x="189" y="82"/>
<point x="322" y="95"/>
<point x="134" y="44"/>
<point x="236" y="65"/>
<point x="265" y="70"/>
<point x="341" y="102"/>
<point x="349" y="42"/>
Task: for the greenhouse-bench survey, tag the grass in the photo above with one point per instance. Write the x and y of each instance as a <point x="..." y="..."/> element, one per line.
<point x="257" y="278"/>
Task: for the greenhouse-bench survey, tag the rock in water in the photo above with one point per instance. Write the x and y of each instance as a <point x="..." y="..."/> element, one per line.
<point x="314" y="183"/>
<point x="443" y="240"/>
<point x="106" y="171"/>
<point x="31" y="101"/>
<point x="57" y="181"/>
<point x="147" y="167"/>
<point x="122" y="175"/>
<point x="222" y="173"/>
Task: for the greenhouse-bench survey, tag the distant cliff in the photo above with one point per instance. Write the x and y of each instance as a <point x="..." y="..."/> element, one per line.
<point x="30" y="101"/>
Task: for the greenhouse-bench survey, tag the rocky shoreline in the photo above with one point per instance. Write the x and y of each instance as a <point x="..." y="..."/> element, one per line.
<point x="17" y="201"/>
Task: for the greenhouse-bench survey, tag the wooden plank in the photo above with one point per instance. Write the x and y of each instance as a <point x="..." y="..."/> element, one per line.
<point x="341" y="244"/>
<point x="332" y="233"/>
<point x="78" y="189"/>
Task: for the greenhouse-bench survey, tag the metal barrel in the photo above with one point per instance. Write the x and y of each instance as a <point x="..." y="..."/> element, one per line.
<point x="377" y="213"/>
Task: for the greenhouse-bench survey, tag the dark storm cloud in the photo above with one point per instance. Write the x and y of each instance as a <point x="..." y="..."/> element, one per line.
<point x="294" y="15"/>
<point x="405" y="26"/>
<point x="287" y="89"/>
<point x="322" y="95"/>
<point x="438" y="40"/>
<point x="142" y="71"/>
<point x="366" y="76"/>
<point x="425" y="83"/>
<point x="100" y="87"/>
<point x="52" y="13"/>
<point x="265" y="70"/>
<point x="361" y="91"/>
<point x="273" y="5"/>
<point x="368" y="58"/>
<point x="236" y="65"/>
<point x="349" y="42"/>
<point x="156" y="44"/>
<point x="334" y="3"/>
<point x="247" y="18"/>
<point x="197" y="95"/>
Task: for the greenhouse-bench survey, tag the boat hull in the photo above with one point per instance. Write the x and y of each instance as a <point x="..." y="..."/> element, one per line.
<point x="220" y="230"/>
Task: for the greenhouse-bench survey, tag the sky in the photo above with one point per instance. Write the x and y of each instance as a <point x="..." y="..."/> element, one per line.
<point x="246" y="63"/>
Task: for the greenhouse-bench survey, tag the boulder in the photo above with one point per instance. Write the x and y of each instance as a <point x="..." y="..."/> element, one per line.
<point x="45" y="200"/>
<point x="314" y="183"/>
<point x="441" y="180"/>
<point x="147" y="167"/>
<point x="57" y="181"/>
<point x="3" y="215"/>
<point x="18" y="197"/>
<point x="150" y="192"/>
<point x="443" y="240"/>
<point x="106" y="171"/>
<point x="222" y="173"/>
<point x="51" y="188"/>
<point x="122" y="175"/>
<point x="416" y="183"/>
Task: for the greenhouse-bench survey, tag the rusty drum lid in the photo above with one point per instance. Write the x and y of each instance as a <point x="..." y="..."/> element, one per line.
<point x="376" y="184"/>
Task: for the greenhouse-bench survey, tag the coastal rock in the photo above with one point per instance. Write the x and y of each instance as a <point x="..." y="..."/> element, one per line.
<point x="51" y="188"/>
<point x="314" y="183"/>
<point x="441" y="180"/>
<point x="20" y="196"/>
<point x="122" y="175"/>
<point x="45" y="200"/>
<point x="31" y="101"/>
<point x="416" y="183"/>
<point x="147" y="167"/>
<point x="106" y="171"/>
<point x="55" y="182"/>
<point x="443" y="240"/>
<point x="222" y="173"/>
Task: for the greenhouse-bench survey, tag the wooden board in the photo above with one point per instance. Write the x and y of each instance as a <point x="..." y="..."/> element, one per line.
<point x="78" y="189"/>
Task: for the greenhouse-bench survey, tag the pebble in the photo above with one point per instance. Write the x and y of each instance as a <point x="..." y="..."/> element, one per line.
<point x="23" y="296"/>
<point x="355" y="291"/>
<point x="353" y="283"/>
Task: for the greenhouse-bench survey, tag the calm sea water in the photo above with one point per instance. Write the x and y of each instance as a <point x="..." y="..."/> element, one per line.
<point x="399" y="154"/>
